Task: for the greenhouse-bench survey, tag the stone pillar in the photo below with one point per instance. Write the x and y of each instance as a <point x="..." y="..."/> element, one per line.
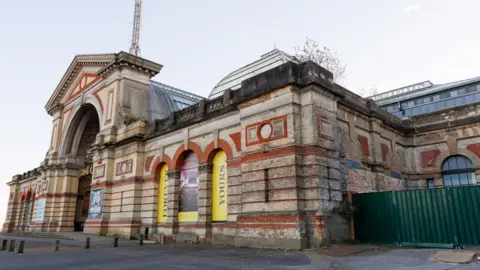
<point x="171" y="227"/>
<point x="67" y="189"/>
<point x="204" y="223"/>
<point x="13" y="205"/>
<point x="9" y="224"/>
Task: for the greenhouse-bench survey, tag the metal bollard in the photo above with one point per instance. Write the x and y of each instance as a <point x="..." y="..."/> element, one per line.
<point x="11" y="247"/>
<point x="57" y="245"/>
<point x="115" y="242"/>
<point x="4" y="244"/>
<point x="21" y="245"/>
<point x="140" y="240"/>
<point x="87" y="243"/>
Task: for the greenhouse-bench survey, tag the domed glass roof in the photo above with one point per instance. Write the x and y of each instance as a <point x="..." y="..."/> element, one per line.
<point x="266" y="62"/>
<point x="164" y="99"/>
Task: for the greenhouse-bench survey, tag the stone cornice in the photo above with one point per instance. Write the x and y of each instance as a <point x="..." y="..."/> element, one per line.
<point x="126" y="60"/>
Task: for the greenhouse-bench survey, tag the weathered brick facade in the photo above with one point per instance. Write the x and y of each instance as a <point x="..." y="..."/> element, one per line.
<point x="295" y="143"/>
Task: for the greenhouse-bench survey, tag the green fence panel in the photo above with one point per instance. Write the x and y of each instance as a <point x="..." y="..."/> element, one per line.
<point x="429" y="217"/>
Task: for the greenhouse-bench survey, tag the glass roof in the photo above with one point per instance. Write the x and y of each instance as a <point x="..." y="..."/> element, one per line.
<point x="164" y="99"/>
<point x="430" y="89"/>
<point x="266" y="62"/>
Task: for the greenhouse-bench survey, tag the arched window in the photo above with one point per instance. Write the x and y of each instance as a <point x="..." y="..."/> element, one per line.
<point x="188" y="190"/>
<point x="458" y="171"/>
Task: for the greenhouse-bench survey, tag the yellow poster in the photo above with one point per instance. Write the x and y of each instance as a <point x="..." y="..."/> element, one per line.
<point x="219" y="187"/>
<point x="163" y="195"/>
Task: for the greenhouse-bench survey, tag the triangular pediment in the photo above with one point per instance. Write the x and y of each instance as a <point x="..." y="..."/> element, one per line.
<point x="83" y="81"/>
<point x="80" y="75"/>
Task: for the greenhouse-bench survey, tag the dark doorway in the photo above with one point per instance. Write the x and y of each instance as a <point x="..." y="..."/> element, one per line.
<point x="83" y="202"/>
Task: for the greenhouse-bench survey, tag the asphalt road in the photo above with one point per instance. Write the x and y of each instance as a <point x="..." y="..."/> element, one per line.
<point x="39" y="255"/>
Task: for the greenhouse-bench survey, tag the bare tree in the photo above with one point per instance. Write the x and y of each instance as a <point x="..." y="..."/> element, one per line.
<point x="322" y="56"/>
<point x="369" y="92"/>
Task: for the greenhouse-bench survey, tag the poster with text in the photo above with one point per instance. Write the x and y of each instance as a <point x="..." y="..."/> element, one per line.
<point x="40" y="209"/>
<point x="96" y="203"/>
<point x="189" y="188"/>
<point x="219" y="187"/>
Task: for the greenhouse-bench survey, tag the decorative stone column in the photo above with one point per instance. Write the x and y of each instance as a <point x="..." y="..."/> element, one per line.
<point x="203" y="230"/>
<point x="66" y="190"/>
<point x="171" y="227"/>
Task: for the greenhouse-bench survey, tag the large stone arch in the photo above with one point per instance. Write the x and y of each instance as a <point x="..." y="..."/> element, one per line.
<point x="80" y="133"/>
<point x="462" y="152"/>
<point x="81" y="128"/>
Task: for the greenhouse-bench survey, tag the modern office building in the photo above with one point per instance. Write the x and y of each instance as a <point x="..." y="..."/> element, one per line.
<point x="426" y="97"/>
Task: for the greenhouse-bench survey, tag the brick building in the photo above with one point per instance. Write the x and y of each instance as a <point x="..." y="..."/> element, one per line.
<point x="264" y="162"/>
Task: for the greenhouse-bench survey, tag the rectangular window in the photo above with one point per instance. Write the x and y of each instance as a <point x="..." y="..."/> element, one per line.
<point x="411" y="103"/>
<point x="441" y="105"/>
<point x="121" y="202"/>
<point x="427" y="100"/>
<point x="469" y="99"/>
<point x="453" y="93"/>
<point x="267" y="189"/>
<point x="416" y="111"/>
<point x="471" y="89"/>
<point x="423" y="109"/>
<point x="444" y="95"/>
<point x="450" y="103"/>
<point x="430" y="183"/>
<point x="461" y="91"/>
<point x="447" y="181"/>
<point x="404" y="105"/>
<point x="419" y="101"/>
<point x="460" y="101"/>
<point x="436" y="98"/>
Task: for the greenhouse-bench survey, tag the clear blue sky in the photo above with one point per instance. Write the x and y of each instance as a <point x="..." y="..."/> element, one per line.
<point x="384" y="43"/>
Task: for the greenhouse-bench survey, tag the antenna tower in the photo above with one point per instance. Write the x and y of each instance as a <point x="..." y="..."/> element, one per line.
<point x="135" y="47"/>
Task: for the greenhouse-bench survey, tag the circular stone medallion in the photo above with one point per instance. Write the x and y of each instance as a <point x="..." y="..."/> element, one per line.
<point x="265" y="131"/>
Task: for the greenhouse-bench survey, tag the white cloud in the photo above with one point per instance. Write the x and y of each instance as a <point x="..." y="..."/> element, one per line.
<point x="412" y="8"/>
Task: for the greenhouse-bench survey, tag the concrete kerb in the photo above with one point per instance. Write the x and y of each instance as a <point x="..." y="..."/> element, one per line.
<point x="35" y="245"/>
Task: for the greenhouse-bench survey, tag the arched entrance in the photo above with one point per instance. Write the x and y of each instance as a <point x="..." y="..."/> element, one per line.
<point x="79" y="139"/>
<point x="458" y="171"/>
<point x="83" y="201"/>
<point x="188" y="190"/>
<point x="82" y="132"/>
